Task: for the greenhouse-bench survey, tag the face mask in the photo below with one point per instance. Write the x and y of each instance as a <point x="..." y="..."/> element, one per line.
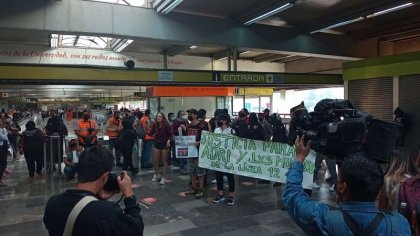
<point x="241" y="115"/>
<point x="171" y="118"/>
<point x="190" y="118"/>
<point x="86" y="117"/>
<point x="219" y="123"/>
<point x="184" y="117"/>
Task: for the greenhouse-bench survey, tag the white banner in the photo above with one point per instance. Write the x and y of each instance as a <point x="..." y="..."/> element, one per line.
<point x="247" y="157"/>
<point x="184" y="147"/>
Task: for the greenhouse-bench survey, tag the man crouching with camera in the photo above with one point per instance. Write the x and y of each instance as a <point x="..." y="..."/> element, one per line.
<point x="84" y="210"/>
<point x="359" y="182"/>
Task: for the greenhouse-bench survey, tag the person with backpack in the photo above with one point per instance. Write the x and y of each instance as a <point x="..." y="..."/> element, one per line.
<point x="400" y="168"/>
<point x="31" y="144"/>
<point x="359" y="182"/>
<point x="146" y="124"/>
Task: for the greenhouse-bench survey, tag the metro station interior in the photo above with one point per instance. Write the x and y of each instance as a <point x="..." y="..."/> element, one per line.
<point x="171" y="55"/>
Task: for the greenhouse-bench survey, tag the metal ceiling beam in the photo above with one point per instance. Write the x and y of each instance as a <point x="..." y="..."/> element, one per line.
<point x="96" y="19"/>
<point x="268" y="57"/>
<point x="175" y="50"/>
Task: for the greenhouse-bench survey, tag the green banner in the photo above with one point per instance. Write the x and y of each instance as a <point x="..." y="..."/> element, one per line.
<point x="252" y="158"/>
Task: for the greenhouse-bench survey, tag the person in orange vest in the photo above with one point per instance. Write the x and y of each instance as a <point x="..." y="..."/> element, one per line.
<point x="113" y="128"/>
<point x="147" y="125"/>
<point x="86" y="131"/>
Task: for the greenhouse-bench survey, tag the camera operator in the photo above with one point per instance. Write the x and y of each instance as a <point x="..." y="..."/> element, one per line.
<point x="359" y="182"/>
<point x="65" y="214"/>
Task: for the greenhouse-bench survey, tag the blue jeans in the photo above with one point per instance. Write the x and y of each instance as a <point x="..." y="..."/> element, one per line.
<point x="70" y="171"/>
<point x="146" y="153"/>
<point x="117" y="152"/>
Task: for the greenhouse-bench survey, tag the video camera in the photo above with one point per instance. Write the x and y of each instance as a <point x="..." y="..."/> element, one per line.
<point x="338" y="129"/>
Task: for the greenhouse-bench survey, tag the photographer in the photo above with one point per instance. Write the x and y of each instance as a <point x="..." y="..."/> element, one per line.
<point x="98" y="216"/>
<point x="359" y="182"/>
<point x="73" y="152"/>
<point x="87" y="130"/>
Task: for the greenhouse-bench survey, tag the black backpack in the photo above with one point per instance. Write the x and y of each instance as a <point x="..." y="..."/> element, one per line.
<point x="33" y="141"/>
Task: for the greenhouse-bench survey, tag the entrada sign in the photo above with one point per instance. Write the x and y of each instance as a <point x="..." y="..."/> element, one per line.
<point x="246" y="78"/>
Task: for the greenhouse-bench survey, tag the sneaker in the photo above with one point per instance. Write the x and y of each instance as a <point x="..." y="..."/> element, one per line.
<point x="163" y="181"/>
<point x="332" y="189"/>
<point x="315" y="186"/>
<point x="155" y="178"/>
<point x="219" y="199"/>
<point x="230" y="201"/>
<point x="199" y="193"/>
<point x="214" y="181"/>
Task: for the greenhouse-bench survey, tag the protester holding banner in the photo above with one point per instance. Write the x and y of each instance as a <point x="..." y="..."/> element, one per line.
<point x="194" y="129"/>
<point x="177" y="130"/>
<point x="222" y="122"/>
<point x="162" y="137"/>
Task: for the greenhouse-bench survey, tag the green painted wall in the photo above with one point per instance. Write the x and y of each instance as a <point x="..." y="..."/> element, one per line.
<point x="395" y="65"/>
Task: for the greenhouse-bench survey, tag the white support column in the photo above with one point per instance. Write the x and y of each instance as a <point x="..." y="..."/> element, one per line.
<point x="346" y="90"/>
<point x="395" y="92"/>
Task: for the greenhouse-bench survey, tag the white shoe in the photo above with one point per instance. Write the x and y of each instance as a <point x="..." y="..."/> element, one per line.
<point x="155" y="178"/>
<point x="332" y="189"/>
<point x="163" y="181"/>
<point x="214" y="181"/>
<point x="315" y="186"/>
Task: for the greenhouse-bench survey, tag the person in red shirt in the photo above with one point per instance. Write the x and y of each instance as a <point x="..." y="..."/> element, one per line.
<point x="162" y="133"/>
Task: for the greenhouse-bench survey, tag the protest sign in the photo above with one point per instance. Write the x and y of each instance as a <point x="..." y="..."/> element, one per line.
<point x="184" y="147"/>
<point x="253" y="158"/>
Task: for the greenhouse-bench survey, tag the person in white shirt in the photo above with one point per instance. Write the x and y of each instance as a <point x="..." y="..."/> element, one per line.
<point x="222" y="123"/>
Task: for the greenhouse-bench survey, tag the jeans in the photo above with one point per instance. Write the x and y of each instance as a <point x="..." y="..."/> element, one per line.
<point x="70" y="171"/>
<point x="117" y="152"/>
<point x="146" y="153"/>
<point x="128" y="159"/>
<point x="34" y="161"/>
<point x="231" y="181"/>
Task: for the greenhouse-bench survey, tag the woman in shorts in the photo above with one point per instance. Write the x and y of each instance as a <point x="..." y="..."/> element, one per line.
<point x="162" y="141"/>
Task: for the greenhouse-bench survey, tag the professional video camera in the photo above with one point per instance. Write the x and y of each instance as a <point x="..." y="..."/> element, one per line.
<point x="337" y="129"/>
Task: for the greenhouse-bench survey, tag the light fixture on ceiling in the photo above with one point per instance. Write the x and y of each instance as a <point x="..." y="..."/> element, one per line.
<point x="193" y="47"/>
<point x="339" y="24"/>
<point x="245" y="52"/>
<point x="121" y="44"/>
<point x="382" y="12"/>
<point x="168" y="6"/>
<point x="54" y="41"/>
<point x="270" y="13"/>
<point x="390" y="10"/>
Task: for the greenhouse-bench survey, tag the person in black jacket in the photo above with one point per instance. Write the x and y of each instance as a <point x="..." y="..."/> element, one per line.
<point x="126" y="140"/>
<point x="31" y="144"/>
<point x="55" y="125"/>
<point x="255" y="129"/>
<point x="279" y="131"/>
<point x="99" y="217"/>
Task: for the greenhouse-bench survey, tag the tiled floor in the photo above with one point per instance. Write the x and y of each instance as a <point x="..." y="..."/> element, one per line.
<point x="257" y="209"/>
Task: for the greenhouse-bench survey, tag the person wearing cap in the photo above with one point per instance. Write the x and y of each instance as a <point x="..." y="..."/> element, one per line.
<point x="194" y="128"/>
<point x="31" y="144"/>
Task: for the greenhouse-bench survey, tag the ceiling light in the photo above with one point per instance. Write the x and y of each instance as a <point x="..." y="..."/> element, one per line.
<point x="390" y="10"/>
<point x="167" y="8"/>
<point x="339" y="24"/>
<point x="244" y="52"/>
<point x="124" y="43"/>
<point x="193" y="47"/>
<point x="54" y="41"/>
<point x="223" y="58"/>
<point x="270" y="13"/>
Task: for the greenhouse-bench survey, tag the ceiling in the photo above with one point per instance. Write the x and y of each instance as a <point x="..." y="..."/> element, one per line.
<point x="305" y="16"/>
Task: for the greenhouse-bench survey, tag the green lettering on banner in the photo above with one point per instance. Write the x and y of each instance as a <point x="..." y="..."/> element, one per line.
<point x="253" y="158"/>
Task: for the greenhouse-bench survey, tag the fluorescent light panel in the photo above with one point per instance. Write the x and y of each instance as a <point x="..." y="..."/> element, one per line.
<point x="123" y="45"/>
<point x="270" y="13"/>
<point x="390" y="10"/>
<point x="171" y="6"/>
<point x="193" y="47"/>
<point x="364" y="17"/>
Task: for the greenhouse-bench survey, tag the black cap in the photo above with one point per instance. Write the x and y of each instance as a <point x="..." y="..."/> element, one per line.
<point x="193" y="111"/>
